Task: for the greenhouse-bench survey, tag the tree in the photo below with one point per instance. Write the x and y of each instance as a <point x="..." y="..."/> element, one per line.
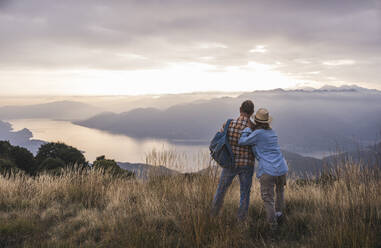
<point x="5" y="148"/>
<point x="59" y="155"/>
<point x="17" y="157"/>
<point x="23" y="159"/>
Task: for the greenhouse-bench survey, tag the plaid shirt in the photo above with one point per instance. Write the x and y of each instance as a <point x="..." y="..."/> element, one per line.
<point x="243" y="155"/>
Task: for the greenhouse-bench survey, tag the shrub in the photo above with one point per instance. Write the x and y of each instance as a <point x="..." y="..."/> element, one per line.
<point x="50" y="164"/>
<point x="7" y="167"/>
<point x="111" y="167"/>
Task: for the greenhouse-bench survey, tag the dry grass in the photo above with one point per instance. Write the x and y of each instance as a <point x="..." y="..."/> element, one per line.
<point x="179" y="161"/>
<point x="94" y="210"/>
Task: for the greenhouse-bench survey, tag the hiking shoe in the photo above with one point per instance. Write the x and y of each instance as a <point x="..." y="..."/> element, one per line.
<point x="279" y="218"/>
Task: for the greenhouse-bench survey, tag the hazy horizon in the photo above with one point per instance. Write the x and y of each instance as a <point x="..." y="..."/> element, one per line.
<point x="115" y="103"/>
<point x="205" y="92"/>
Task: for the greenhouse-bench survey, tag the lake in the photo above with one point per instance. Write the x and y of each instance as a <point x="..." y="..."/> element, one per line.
<point x="118" y="147"/>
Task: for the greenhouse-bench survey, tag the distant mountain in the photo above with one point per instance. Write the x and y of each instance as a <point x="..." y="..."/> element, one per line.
<point x="306" y="121"/>
<point x="119" y="104"/>
<point x="21" y="138"/>
<point x="343" y="88"/>
<point x="369" y="156"/>
<point x="143" y="171"/>
<point x="63" y="110"/>
<point x="300" y="165"/>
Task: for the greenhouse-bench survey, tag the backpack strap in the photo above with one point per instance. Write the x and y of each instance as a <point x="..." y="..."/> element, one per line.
<point x="227" y="143"/>
<point x="226" y="128"/>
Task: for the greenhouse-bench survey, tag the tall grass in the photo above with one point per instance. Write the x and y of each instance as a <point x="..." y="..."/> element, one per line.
<point x="92" y="209"/>
<point x="179" y="161"/>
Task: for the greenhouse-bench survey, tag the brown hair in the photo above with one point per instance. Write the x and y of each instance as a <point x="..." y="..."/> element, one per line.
<point x="247" y="107"/>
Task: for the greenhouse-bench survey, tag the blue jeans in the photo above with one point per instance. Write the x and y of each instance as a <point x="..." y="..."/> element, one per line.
<point x="245" y="174"/>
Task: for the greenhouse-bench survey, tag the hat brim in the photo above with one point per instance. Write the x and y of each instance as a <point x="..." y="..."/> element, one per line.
<point x="262" y="121"/>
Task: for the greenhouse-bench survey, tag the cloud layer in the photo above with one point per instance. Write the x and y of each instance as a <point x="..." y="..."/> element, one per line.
<point x="327" y="40"/>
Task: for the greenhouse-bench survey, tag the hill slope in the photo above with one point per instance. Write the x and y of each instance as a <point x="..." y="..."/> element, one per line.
<point x="92" y="209"/>
<point x="144" y="171"/>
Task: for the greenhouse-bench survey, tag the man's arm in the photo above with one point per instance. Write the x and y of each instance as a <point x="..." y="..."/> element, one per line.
<point x="248" y="137"/>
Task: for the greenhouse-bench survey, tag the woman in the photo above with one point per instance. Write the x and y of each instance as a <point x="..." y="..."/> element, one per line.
<point x="272" y="167"/>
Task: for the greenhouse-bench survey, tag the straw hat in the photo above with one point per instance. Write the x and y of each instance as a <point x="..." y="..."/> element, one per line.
<point x="262" y="116"/>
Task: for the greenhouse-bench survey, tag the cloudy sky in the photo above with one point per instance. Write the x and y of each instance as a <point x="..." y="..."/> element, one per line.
<point x="145" y="46"/>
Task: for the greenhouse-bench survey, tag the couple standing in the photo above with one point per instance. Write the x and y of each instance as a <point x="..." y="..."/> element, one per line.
<point x="248" y="141"/>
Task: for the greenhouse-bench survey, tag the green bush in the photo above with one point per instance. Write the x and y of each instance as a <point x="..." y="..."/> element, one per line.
<point x="111" y="167"/>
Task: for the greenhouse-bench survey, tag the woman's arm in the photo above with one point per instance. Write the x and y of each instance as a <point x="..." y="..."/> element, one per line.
<point x="247" y="137"/>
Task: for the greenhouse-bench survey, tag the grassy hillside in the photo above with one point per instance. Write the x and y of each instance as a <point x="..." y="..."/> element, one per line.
<point x="90" y="209"/>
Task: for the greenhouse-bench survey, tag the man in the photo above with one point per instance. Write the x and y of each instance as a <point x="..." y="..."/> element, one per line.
<point x="244" y="164"/>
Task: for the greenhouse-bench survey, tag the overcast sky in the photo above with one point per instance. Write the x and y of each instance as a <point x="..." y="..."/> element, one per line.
<point x="145" y="46"/>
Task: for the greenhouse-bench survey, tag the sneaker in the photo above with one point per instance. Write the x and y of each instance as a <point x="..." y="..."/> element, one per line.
<point x="279" y="218"/>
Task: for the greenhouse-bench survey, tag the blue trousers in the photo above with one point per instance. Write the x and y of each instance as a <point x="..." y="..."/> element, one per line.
<point x="245" y="174"/>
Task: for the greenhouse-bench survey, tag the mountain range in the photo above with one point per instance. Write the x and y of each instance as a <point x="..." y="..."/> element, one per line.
<point x="306" y="120"/>
<point x="61" y="110"/>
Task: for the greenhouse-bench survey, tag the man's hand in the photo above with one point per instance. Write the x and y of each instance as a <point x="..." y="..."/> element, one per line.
<point x="223" y="127"/>
<point x="250" y="124"/>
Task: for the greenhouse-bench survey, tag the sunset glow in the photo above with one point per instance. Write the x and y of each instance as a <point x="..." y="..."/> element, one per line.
<point x="178" y="78"/>
<point x="142" y="47"/>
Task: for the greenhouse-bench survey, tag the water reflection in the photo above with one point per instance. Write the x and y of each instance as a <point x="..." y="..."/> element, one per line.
<point x="94" y="142"/>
